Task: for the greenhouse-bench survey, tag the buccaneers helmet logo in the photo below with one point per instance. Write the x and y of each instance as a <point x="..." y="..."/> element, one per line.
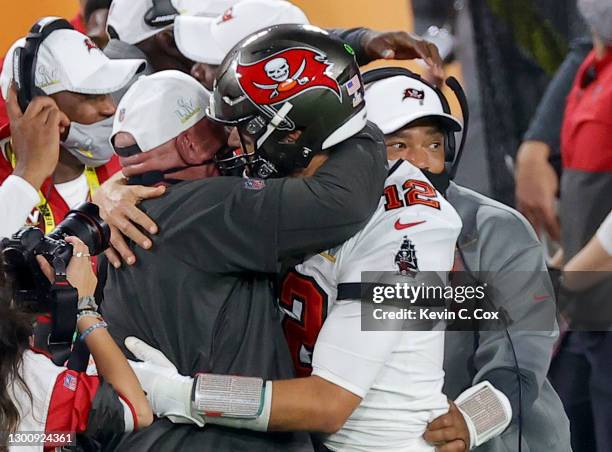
<point x="285" y="74"/>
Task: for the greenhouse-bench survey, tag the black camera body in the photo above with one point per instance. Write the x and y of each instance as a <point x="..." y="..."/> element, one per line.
<point x="33" y="292"/>
<point x="31" y="288"/>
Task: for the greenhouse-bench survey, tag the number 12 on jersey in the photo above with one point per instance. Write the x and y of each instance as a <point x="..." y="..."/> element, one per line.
<point x="415" y="192"/>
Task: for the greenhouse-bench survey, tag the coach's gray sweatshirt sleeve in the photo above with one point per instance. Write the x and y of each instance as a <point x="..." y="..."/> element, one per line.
<point x="519" y="286"/>
<point x="354" y="38"/>
<point x="228" y="224"/>
<point x="323" y="211"/>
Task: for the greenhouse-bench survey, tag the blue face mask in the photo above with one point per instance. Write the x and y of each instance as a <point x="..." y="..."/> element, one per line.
<point x="90" y="143"/>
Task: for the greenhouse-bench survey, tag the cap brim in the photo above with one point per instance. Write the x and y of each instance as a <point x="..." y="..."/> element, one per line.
<point x="447" y="121"/>
<point x="194" y="39"/>
<point x="110" y="77"/>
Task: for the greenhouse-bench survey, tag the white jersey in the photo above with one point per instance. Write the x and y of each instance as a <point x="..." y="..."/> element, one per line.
<point x="398" y="374"/>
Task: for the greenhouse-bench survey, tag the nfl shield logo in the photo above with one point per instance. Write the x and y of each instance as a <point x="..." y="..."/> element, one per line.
<point x="254" y="184"/>
<point x="70" y="382"/>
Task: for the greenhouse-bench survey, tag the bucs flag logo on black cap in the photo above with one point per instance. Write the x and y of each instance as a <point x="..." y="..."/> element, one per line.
<point x="285" y="74"/>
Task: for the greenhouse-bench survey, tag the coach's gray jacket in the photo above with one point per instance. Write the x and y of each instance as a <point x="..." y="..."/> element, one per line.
<point x="499" y="240"/>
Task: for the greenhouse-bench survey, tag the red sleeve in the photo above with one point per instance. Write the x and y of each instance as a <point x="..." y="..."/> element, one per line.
<point x="71" y="401"/>
<point x="78" y="23"/>
<point x="109" y="169"/>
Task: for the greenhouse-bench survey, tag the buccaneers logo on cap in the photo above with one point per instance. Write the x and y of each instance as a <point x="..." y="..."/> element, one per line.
<point x="285" y="74"/>
<point x="413" y="93"/>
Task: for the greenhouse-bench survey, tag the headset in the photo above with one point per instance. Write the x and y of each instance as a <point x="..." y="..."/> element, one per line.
<point x="24" y="59"/>
<point x="161" y="14"/>
<point x="451" y="152"/>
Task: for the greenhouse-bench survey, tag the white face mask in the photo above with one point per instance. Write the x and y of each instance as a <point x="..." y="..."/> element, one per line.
<point x="90" y="142"/>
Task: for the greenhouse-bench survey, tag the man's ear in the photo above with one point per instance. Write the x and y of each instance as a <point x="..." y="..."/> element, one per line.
<point x="165" y="42"/>
<point x="187" y="149"/>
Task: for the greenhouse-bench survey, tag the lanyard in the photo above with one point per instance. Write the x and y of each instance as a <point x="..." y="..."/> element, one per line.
<point x="43" y="205"/>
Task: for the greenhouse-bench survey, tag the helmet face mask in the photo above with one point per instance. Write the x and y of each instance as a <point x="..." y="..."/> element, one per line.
<point x="283" y="79"/>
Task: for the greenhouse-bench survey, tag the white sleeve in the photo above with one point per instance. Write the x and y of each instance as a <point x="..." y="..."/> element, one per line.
<point x="17" y="199"/>
<point x="345" y="355"/>
<point x="604" y="234"/>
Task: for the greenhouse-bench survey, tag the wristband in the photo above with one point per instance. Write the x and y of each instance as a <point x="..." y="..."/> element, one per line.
<point x="89" y="313"/>
<point x="87" y="302"/>
<point x="259" y="423"/>
<point x="486" y="410"/>
<point x="92" y="328"/>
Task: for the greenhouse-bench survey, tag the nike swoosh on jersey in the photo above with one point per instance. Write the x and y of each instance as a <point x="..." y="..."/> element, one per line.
<point x="399" y="225"/>
<point x="538" y="298"/>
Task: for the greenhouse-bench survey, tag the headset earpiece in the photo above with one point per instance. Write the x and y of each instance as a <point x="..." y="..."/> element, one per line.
<point x="161" y="14"/>
<point x="24" y="59"/>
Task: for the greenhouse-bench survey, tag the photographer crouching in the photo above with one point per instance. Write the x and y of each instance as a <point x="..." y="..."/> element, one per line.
<point x="46" y="397"/>
<point x="39" y="397"/>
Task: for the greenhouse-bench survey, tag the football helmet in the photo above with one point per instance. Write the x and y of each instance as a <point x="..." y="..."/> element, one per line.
<point x="292" y="91"/>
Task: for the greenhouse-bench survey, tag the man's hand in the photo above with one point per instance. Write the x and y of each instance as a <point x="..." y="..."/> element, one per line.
<point x="35" y="137"/>
<point x="400" y="45"/>
<point x="117" y="202"/>
<point x="537" y="185"/>
<point x="449" y="432"/>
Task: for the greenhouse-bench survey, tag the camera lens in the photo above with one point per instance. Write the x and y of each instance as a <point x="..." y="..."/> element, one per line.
<point x="85" y="223"/>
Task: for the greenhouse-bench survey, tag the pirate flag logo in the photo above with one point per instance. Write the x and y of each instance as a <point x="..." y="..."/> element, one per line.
<point x="413" y="93"/>
<point x="406" y="259"/>
<point x="286" y="74"/>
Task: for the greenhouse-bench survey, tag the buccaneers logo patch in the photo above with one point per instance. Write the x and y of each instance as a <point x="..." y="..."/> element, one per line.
<point x="413" y="93"/>
<point x="286" y="74"/>
<point x="406" y="259"/>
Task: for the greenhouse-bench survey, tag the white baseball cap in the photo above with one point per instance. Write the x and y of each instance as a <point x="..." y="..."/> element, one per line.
<point x="6" y="77"/>
<point x="126" y="18"/>
<point x="208" y="40"/>
<point x="394" y="102"/>
<point x="70" y="61"/>
<point x="159" y="107"/>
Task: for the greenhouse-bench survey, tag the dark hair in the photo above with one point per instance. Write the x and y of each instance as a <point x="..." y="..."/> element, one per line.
<point x="15" y="332"/>
<point x="94" y="5"/>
